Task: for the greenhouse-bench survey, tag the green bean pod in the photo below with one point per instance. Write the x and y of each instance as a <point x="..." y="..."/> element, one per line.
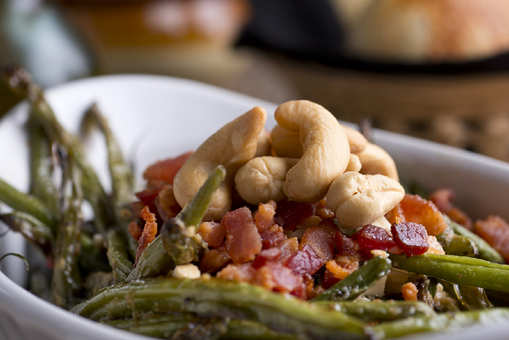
<point x="32" y="229"/>
<point x="178" y="244"/>
<point x="26" y="203"/>
<point x="486" y="252"/>
<point x="117" y="256"/>
<point x="379" y="310"/>
<point x="222" y="299"/>
<point x="438" y="323"/>
<point x="357" y="282"/>
<point x="457" y="269"/>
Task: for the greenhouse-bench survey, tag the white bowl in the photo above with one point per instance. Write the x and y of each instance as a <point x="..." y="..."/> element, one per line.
<point x="158" y="117"/>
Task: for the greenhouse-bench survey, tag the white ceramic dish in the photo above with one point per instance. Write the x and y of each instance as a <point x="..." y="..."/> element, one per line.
<point x="157" y="117"/>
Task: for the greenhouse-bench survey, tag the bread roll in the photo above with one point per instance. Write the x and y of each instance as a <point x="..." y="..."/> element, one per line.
<point x="417" y="31"/>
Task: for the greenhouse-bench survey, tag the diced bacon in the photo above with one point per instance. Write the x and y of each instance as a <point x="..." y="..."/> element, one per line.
<point x="289" y="213"/>
<point x="346" y="246"/>
<point x="148" y="197"/>
<point x="411" y="237"/>
<point x="134" y="230"/>
<point x="418" y="210"/>
<point x="288" y="248"/>
<point x="264" y="216"/>
<point x="495" y="231"/>
<point x="305" y="262"/>
<point x="243" y="241"/>
<point x="409" y="291"/>
<point x="267" y="255"/>
<point x="323" y="212"/>
<point x="237" y="272"/>
<point x="165" y="202"/>
<point x="321" y="240"/>
<point x="272" y="236"/>
<point x="149" y="231"/>
<point x="213" y="233"/>
<point x="165" y="170"/>
<point x="275" y="276"/>
<point x="442" y="198"/>
<point x="213" y="260"/>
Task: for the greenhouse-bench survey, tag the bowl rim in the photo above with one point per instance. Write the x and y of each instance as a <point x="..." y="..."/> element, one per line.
<point x="44" y="314"/>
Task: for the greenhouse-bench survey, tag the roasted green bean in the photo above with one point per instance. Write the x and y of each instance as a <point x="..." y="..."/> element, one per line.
<point x="357" y="282"/>
<point x="180" y="244"/>
<point x="458" y="269"/>
<point x="117" y="256"/>
<point x="217" y="298"/>
<point x="31" y="229"/>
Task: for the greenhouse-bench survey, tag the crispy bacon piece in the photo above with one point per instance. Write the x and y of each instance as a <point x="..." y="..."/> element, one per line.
<point x="346" y="246"/>
<point x="275" y="276"/>
<point x="409" y="291"/>
<point x="339" y="269"/>
<point x="418" y="210"/>
<point x="305" y="261"/>
<point x="148" y="197"/>
<point x="321" y="239"/>
<point x="134" y="230"/>
<point x="396" y="216"/>
<point x="243" y="241"/>
<point x="237" y="272"/>
<point x="288" y="248"/>
<point x="214" y="259"/>
<point x="412" y="238"/>
<point x="371" y="237"/>
<point x="149" y="231"/>
<point x="264" y="216"/>
<point x="495" y="231"/>
<point x="267" y="255"/>
<point x="442" y="198"/>
<point x="323" y="212"/>
<point x="165" y="170"/>
<point x="289" y="213"/>
<point x="272" y="236"/>
<point x="213" y="233"/>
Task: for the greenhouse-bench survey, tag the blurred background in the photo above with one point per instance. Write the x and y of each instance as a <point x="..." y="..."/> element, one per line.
<point x="436" y="69"/>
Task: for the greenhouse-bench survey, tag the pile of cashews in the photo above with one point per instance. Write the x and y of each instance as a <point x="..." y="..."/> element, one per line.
<point x="307" y="157"/>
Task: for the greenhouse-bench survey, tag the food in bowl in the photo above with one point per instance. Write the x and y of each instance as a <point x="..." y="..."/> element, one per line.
<point x="171" y="292"/>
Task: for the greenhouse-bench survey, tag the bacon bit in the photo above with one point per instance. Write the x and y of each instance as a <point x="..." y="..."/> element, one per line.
<point x="409" y="291"/>
<point x="165" y="170"/>
<point x="442" y="198"/>
<point x="237" y="272"/>
<point x="213" y="260"/>
<point x="165" y="202"/>
<point x="346" y="246"/>
<point x="434" y="246"/>
<point x="418" y="210"/>
<point x="273" y="236"/>
<point x="134" y="230"/>
<point x="371" y="237"/>
<point x="148" y="197"/>
<point x="321" y="240"/>
<point x="342" y="266"/>
<point x="495" y="231"/>
<point x="396" y="216"/>
<point x="213" y="233"/>
<point x="275" y="276"/>
<point x="323" y="212"/>
<point x="243" y="241"/>
<point x="306" y="261"/>
<point x="265" y="256"/>
<point x="290" y="214"/>
<point x="264" y="216"/>
<point x="411" y="237"/>
<point x="149" y="231"/>
<point x="288" y="248"/>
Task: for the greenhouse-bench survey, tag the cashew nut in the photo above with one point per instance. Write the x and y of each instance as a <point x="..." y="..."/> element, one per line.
<point x="286" y="142"/>
<point x="376" y="160"/>
<point x="354" y="164"/>
<point x="263" y="147"/>
<point x="262" y="178"/>
<point x="356" y="140"/>
<point x="232" y="146"/>
<point x="361" y="199"/>
<point x="326" y="152"/>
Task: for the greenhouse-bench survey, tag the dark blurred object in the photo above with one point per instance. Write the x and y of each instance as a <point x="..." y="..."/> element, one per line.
<point x="33" y="35"/>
